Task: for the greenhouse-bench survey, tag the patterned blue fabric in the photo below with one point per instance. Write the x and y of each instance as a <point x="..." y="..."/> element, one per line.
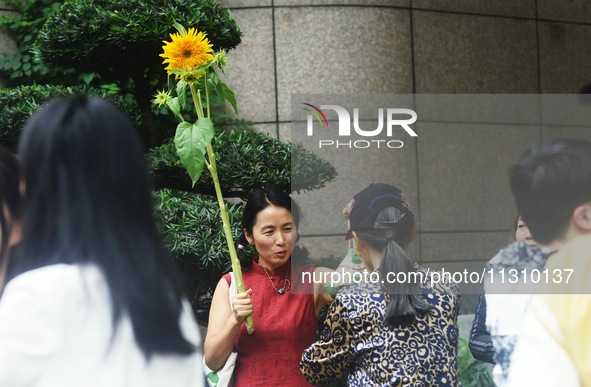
<point x="355" y="340"/>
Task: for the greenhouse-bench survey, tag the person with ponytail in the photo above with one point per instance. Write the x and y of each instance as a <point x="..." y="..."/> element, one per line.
<point x="284" y="307"/>
<point x="395" y="327"/>
<point x="95" y="300"/>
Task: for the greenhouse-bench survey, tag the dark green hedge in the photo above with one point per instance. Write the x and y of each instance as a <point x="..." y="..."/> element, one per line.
<point x="192" y="229"/>
<point x="246" y="160"/>
<point x="190" y="223"/>
<point x="127" y="35"/>
<point x="18" y="104"/>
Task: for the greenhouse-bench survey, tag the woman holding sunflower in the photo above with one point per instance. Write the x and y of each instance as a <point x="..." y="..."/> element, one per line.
<point x="286" y="319"/>
<point x="285" y="312"/>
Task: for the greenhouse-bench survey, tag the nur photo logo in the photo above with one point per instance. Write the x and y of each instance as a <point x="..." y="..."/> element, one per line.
<point x="392" y="119"/>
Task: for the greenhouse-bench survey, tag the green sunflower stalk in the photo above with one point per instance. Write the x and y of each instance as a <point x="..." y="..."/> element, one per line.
<point x="191" y="59"/>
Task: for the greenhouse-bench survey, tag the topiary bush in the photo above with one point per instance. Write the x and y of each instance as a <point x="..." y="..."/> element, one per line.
<point x="18" y="104"/>
<point x="120" y="41"/>
<point x="192" y="229"/>
<point x="245" y="160"/>
<point x="110" y="44"/>
<point x="126" y="36"/>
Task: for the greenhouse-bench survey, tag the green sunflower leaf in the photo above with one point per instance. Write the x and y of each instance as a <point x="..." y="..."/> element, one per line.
<point x="174" y="106"/>
<point x="229" y="96"/>
<point x="191" y="141"/>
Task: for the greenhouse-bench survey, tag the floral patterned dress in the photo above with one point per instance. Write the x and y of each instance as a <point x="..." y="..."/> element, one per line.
<point x="356" y="341"/>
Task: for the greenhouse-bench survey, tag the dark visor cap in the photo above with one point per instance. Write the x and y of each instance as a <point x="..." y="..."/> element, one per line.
<point x="367" y="204"/>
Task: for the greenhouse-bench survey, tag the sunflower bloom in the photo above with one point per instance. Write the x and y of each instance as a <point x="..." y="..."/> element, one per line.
<point x="191" y="76"/>
<point x="162" y="97"/>
<point x="186" y="51"/>
<point x="220" y="59"/>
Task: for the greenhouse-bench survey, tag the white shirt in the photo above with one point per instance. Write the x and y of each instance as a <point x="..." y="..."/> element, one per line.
<point x="56" y="330"/>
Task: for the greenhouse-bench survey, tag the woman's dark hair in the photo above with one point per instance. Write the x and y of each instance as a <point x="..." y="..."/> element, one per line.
<point x="10" y="198"/>
<point x="549" y="183"/>
<point x="394" y="230"/>
<point x="88" y="201"/>
<point x="256" y="201"/>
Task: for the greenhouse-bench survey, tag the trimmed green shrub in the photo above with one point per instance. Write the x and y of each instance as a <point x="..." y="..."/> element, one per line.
<point x="192" y="229"/>
<point x="245" y="161"/>
<point x="18" y="104"/>
<point x="126" y="36"/>
<point x="114" y="45"/>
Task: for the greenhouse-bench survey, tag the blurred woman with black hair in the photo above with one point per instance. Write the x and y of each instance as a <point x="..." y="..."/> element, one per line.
<point x="95" y="301"/>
